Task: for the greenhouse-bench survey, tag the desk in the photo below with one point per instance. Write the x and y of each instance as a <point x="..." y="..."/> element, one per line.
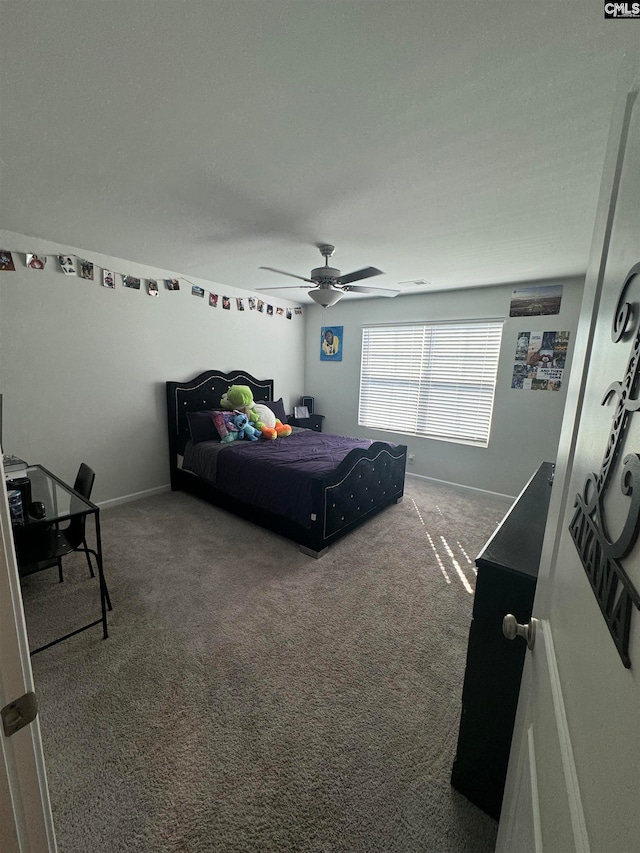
<point x="34" y="536"/>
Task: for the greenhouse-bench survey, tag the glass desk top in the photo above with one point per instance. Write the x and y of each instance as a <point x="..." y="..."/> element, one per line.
<point x="41" y="543"/>
<point x="60" y="500"/>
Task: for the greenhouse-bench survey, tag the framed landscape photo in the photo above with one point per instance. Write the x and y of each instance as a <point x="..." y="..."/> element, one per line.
<point x="536" y="300"/>
<point x="331" y="343"/>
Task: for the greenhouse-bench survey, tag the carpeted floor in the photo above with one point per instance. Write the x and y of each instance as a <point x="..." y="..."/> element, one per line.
<point x="251" y="698"/>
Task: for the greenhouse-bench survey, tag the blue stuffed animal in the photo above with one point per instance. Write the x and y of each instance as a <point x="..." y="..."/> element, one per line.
<point x="243" y="429"/>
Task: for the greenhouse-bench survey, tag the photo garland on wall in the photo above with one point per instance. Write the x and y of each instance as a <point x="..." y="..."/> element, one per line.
<point x="86" y="269"/>
<point x="539" y="361"/>
<point x="69" y="265"/>
<point x="36" y="262"/>
<point x="6" y="261"/>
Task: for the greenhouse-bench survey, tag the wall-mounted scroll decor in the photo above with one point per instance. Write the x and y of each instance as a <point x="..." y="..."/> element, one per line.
<point x="600" y="556"/>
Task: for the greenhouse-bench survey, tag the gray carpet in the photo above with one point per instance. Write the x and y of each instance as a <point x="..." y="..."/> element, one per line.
<point x="250" y="698"/>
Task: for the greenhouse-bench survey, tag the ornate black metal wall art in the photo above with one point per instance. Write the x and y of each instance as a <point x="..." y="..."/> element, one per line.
<point x="599" y="554"/>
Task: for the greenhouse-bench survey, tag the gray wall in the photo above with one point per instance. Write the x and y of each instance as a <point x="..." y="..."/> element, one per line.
<point x="526" y="424"/>
<point x="82" y="370"/>
<point x="83" y="367"/>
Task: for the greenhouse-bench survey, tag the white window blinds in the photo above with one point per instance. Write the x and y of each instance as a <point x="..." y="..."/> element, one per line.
<point x="433" y="380"/>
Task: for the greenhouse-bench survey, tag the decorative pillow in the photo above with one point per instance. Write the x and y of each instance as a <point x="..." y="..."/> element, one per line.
<point x="222" y="421"/>
<point x="277" y="407"/>
<point x="202" y="427"/>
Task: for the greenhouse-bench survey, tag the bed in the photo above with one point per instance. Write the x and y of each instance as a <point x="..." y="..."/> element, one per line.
<point x="313" y="488"/>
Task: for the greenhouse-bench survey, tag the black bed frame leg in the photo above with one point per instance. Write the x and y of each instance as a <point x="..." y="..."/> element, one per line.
<point x="311" y="553"/>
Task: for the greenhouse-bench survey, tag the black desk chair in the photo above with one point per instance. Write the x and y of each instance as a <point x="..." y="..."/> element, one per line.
<point x="53" y="543"/>
<point x="73" y="537"/>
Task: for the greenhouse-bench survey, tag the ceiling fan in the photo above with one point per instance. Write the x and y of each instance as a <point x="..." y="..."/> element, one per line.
<point x="329" y="285"/>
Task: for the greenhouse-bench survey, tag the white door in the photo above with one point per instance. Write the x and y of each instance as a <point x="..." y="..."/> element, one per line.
<point x="574" y="772"/>
<point x="26" y="824"/>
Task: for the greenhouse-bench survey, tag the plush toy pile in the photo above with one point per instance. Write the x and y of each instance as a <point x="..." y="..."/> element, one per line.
<point x="241" y="428"/>
<point x="234" y="426"/>
<point x="272" y="427"/>
<point x="239" y="398"/>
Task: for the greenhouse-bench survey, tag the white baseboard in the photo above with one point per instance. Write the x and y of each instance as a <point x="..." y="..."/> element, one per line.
<point x="148" y="493"/>
<point x="136" y="496"/>
<point x="461" y="486"/>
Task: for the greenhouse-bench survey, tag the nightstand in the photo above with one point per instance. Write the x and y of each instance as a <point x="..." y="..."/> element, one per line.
<point x="312" y="422"/>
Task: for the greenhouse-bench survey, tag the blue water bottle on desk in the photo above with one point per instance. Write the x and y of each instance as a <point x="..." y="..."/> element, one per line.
<point x="15" y="506"/>
<point x="23" y="486"/>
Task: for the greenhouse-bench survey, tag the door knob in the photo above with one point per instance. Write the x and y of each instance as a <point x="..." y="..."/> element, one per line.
<point x="511" y="629"/>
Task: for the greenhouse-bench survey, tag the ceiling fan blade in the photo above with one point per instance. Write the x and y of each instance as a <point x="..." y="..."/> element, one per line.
<point x="379" y="291"/>
<point x="283" y="287"/>
<point x="367" y="272"/>
<point x="282" y="272"/>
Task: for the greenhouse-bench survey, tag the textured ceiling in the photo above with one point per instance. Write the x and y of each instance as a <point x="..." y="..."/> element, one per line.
<point x="457" y="142"/>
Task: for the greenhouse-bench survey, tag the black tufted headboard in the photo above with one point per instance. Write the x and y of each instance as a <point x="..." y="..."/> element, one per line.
<point x="204" y="392"/>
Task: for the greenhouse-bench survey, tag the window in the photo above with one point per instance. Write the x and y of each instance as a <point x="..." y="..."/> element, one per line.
<point x="434" y="380"/>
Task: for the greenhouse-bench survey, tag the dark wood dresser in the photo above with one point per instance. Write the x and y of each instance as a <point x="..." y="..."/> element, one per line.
<point x="506" y="583"/>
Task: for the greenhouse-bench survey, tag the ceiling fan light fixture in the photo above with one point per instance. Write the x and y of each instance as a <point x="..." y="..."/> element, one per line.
<point x="330" y="284"/>
<point x="326" y="297"/>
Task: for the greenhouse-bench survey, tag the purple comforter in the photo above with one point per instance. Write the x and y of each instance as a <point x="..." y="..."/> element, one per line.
<point x="276" y="475"/>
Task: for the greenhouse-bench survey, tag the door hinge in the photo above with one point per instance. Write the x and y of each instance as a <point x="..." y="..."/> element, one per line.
<point x="19" y="713"/>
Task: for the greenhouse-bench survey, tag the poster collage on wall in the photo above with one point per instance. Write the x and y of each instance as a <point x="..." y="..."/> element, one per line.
<point x="540" y="361"/>
<point x="83" y="268"/>
<point x="540" y="357"/>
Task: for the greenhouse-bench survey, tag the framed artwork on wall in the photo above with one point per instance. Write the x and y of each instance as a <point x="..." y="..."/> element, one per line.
<point x="331" y="343"/>
<point x="538" y="300"/>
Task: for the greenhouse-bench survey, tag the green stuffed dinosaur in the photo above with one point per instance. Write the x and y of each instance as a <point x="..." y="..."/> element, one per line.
<point x="239" y="398"/>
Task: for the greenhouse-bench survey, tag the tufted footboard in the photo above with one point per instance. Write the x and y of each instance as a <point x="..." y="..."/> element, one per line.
<point x="364" y="483"/>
